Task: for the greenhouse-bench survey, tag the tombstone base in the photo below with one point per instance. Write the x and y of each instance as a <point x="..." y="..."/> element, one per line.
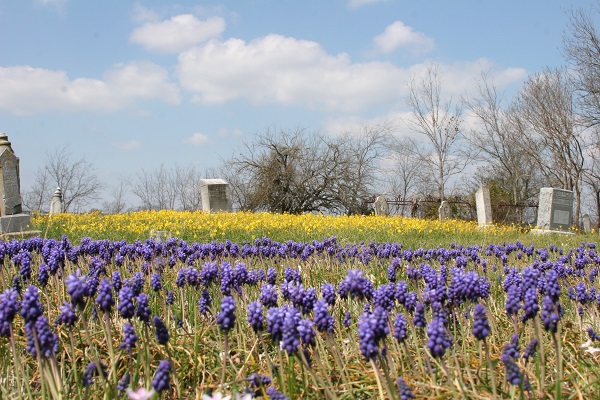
<point x="549" y="231"/>
<point x="15" y="223"/>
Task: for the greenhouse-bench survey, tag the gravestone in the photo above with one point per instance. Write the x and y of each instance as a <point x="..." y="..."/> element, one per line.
<point x="56" y="204"/>
<point x="555" y="211"/>
<point x="216" y="195"/>
<point x="445" y="211"/>
<point x="484" y="206"/>
<point x="587" y="223"/>
<point x="381" y="206"/>
<point x="12" y="218"/>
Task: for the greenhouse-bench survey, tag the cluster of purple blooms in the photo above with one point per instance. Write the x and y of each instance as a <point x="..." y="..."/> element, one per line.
<point x="290" y="311"/>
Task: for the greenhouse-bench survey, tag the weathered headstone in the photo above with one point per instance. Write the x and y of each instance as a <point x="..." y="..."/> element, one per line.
<point x="56" y="204"/>
<point x="216" y="195"/>
<point x="160" y="236"/>
<point x="555" y="210"/>
<point x="12" y="218"/>
<point x="484" y="206"/>
<point x="587" y="223"/>
<point x="381" y="206"/>
<point x="445" y="211"/>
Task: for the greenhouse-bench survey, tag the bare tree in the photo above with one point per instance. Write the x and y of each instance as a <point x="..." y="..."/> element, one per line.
<point x="581" y="46"/>
<point x="404" y="171"/>
<point x="507" y="166"/>
<point x="551" y="137"/>
<point x="437" y="120"/>
<point x="168" y="189"/>
<point x="79" y="184"/>
<point x="119" y="192"/>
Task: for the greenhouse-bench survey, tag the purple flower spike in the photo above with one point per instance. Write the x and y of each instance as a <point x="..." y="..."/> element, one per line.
<point x="255" y="316"/>
<point x="143" y="308"/>
<point x="439" y="340"/>
<point x="9" y="306"/>
<point x="126" y="307"/>
<point x="550" y="316"/>
<point x="129" y="337"/>
<point x="162" y="333"/>
<point x="323" y="320"/>
<point x="105" y="300"/>
<point x="226" y="318"/>
<point x="481" y="327"/>
<point x="92" y="370"/>
<point x="404" y="390"/>
<point x="68" y="316"/>
<point x="372" y="328"/>
<point x="400" y="328"/>
<point x="31" y="308"/>
<point x="162" y="376"/>
<point x="274" y="394"/>
<point x="268" y="295"/>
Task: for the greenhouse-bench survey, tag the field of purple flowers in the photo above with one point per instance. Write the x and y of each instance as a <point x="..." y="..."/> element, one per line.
<point x="274" y="320"/>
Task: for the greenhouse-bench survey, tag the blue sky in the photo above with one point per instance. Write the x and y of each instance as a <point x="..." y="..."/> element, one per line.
<point x="133" y="85"/>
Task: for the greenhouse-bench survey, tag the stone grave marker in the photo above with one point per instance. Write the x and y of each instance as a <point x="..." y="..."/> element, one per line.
<point x="555" y="210"/>
<point x="587" y="223"/>
<point x="216" y="195"/>
<point x="56" y="204"/>
<point x="381" y="206"/>
<point x="484" y="206"/>
<point x="445" y="211"/>
<point x="12" y="218"/>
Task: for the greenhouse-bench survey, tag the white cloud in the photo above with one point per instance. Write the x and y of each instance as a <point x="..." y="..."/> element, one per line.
<point x="128" y="145"/>
<point x="224" y="132"/>
<point x="398" y="35"/>
<point x="197" y="139"/>
<point x="141" y="14"/>
<point x="28" y="90"/>
<point x="289" y="71"/>
<point x="360" y="3"/>
<point x="178" y="33"/>
<point x="143" y="80"/>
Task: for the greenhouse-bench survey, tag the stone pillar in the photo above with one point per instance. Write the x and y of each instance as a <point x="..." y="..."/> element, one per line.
<point x="484" y="206"/>
<point x="587" y="223"/>
<point x="381" y="206"/>
<point x="56" y="204"/>
<point x="445" y="211"/>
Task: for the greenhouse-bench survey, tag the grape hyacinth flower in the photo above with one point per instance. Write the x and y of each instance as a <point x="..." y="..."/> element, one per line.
<point x="162" y="333"/>
<point x="76" y="287"/>
<point x="226" y="318"/>
<point x="123" y="382"/>
<point x="347" y="321"/>
<point x="255" y="316"/>
<point x="105" y="300"/>
<point x="290" y="336"/>
<point x="268" y="295"/>
<point x="126" y="307"/>
<point x="93" y="369"/>
<point x="400" y="328"/>
<point x="404" y="390"/>
<point x="204" y="302"/>
<point x="68" y="316"/>
<point x="161" y="381"/>
<point x="323" y="320"/>
<point x="156" y="282"/>
<point x="439" y="340"/>
<point x="31" y="308"/>
<point x="143" y="308"/>
<point x="550" y="316"/>
<point x="9" y="306"/>
<point x="274" y="394"/>
<point x="39" y="336"/>
<point x="306" y="332"/>
<point x="481" y="327"/>
<point x="129" y="337"/>
<point x="372" y="328"/>
<point x="530" y="349"/>
<point x="419" y="318"/>
<point x="328" y="292"/>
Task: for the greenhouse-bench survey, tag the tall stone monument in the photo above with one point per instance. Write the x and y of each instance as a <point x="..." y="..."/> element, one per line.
<point x="56" y="203"/>
<point x="12" y="218"/>
<point x="445" y="211"/>
<point x="216" y="195"/>
<point x="555" y="211"/>
<point x="381" y="206"/>
<point x="484" y="206"/>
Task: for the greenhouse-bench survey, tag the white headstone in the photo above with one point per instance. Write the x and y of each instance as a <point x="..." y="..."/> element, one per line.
<point x="555" y="210"/>
<point x="587" y="223"/>
<point x="484" y="206"/>
<point x="445" y="211"/>
<point x="56" y="204"/>
<point x="216" y="195"/>
<point x="381" y="206"/>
